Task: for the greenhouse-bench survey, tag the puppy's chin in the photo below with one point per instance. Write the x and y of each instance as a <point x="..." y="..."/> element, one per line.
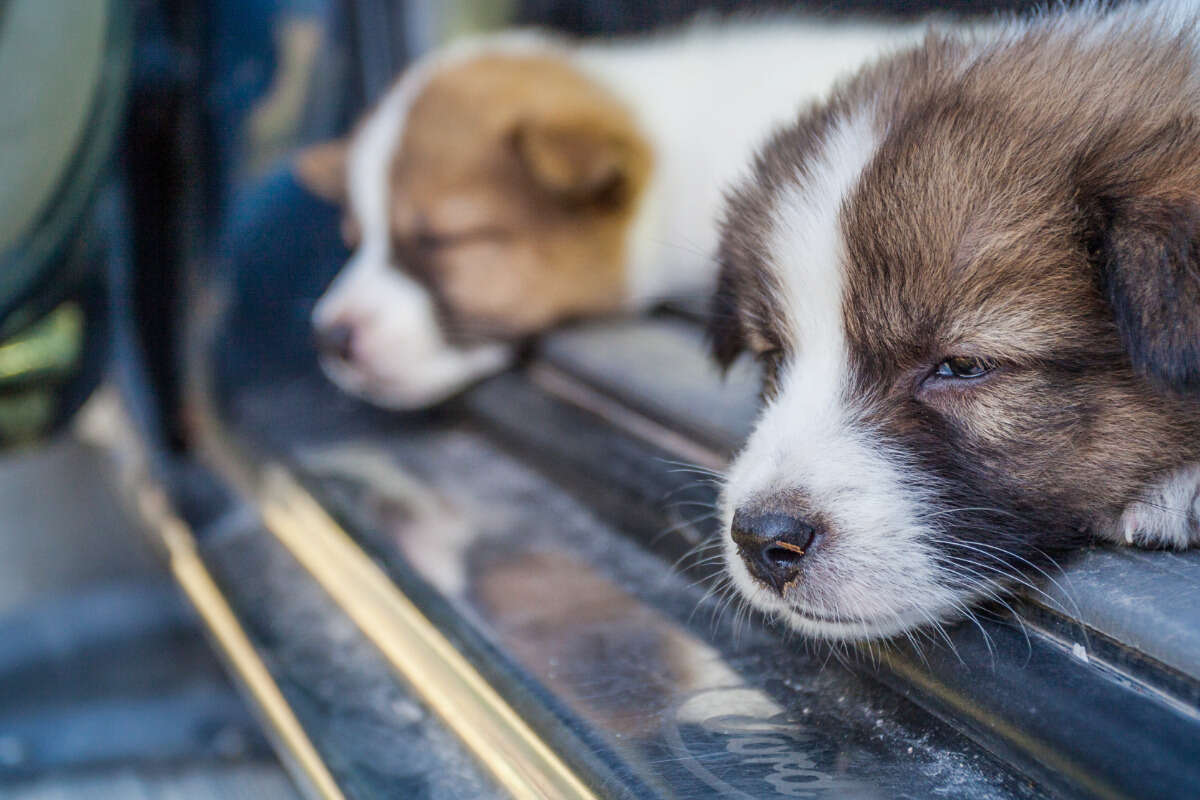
<point x="422" y="383"/>
<point x="843" y="615"/>
<point x="821" y="625"/>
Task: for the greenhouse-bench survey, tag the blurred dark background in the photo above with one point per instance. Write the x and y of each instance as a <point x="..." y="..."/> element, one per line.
<point x="591" y="17"/>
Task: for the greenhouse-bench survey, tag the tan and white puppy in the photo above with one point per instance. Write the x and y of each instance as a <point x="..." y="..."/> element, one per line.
<point x="507" y="183"/>
<point x="973" y="279"/>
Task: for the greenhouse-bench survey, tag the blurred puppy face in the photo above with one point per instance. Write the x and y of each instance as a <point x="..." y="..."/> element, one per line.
<point x="486" y="199"/>
<point x="974" y="296"/>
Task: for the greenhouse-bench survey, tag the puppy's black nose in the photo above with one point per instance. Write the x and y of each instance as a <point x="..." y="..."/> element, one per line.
<point x="772" y="545"/>
<point x="336" y="341"/>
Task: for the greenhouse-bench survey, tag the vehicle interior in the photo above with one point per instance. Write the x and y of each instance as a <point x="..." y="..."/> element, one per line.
<point x="229" y="579"/>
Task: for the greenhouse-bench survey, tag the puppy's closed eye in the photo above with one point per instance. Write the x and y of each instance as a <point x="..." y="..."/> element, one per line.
<point x="963" y="368"/>
<point x="956" y="375"/>
<point x="432" y="241"/>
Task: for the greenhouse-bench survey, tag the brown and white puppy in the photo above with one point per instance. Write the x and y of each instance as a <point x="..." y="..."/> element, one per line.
<point x="507" y="183"/>
<point x="973" y="280"/>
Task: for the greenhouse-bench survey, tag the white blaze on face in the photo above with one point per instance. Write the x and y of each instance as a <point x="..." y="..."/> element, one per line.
<point x="401" y="358"/>
<point x="873" y="564"/>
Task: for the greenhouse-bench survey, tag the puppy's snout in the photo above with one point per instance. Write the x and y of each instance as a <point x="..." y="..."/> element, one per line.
<point x="773" y="545"/>
<point x="336" y="341"/>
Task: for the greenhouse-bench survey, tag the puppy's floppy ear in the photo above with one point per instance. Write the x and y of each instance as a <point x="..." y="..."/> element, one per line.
<point x="321" y="169"/>
<point x="1139" y="186"/>
<point x="579" y="161"/>
<point x="1149" y="260"/>
<point x="726" y="339"/>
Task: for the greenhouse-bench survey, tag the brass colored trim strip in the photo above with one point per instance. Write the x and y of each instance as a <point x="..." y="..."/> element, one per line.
<point x="520" y="761"/>
<point x="204" y="594"/>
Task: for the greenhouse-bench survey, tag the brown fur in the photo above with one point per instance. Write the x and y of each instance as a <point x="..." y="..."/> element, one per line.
<point x="512" y="193"/>
<point x="1040" y="209"/>
<point x="1003" y="244"/>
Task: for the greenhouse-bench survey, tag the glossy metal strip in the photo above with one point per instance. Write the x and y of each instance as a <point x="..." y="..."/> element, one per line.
<point x="576" y="392"/>
<point x="204" y="594"/>
<point x="1060" y="765"/>
<point x="520" y="761"/>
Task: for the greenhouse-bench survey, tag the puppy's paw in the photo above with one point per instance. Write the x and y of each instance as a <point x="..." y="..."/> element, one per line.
<point x="1167" y="517"/>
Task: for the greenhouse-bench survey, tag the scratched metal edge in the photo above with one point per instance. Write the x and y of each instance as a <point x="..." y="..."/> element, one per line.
<point x="242" y="660"/>
<point x="1055" y="612"/>
<point x="588" y="756"/>
<point x="518" y="758"/>
<point x="1036" y="758"/>
<point x="347" y="574"/>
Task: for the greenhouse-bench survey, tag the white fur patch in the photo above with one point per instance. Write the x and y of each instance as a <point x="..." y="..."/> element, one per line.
<point x="701" y="146"/>
<point x="1168" y="516"/>
<point x="401" y="357"/>
<point x="873" y="567"/>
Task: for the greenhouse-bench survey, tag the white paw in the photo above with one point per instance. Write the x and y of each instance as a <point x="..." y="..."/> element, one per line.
<point x="1168" y="516"/>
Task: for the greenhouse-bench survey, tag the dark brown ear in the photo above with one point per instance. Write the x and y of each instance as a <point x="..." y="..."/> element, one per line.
<point x="321" y="169"/>
<point x="1149" y="252"/>
<point x="576" y="161"/>
<point x="726" y="339"/>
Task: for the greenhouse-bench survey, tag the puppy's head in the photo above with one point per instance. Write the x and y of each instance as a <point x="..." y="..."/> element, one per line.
<point x="487" y="197"/>
<point x="975" y="295"/>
